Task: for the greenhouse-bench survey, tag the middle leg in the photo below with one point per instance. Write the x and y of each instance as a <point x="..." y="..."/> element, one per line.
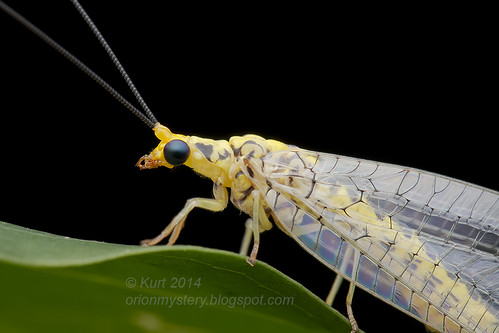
<point x="259" y="224"/>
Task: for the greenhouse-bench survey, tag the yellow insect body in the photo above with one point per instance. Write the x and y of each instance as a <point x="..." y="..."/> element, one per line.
<point x="424" y="243"/>
<point x="374" y="224"/>
<point x="219" y="160"/>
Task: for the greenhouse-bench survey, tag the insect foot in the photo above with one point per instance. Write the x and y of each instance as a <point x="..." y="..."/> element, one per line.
<point x="146" y="242"/>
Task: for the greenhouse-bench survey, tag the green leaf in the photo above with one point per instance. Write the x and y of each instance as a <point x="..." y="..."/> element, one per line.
<point x="50" y="283"/>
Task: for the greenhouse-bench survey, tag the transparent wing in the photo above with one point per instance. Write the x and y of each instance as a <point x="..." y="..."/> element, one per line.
<point x="428" y="244"/>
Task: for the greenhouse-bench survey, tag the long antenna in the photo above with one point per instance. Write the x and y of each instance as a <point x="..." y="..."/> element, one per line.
<point x="115" y="60"/>
<point x="149" y="120"/>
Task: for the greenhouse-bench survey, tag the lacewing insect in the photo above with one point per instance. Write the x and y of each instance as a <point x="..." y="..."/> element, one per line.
<point x="424" y="243"/>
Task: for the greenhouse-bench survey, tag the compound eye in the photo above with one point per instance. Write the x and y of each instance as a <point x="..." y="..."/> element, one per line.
<point x="176" y="152"/>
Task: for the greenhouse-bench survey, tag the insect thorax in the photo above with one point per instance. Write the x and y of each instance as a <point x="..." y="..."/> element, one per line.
<point x="226" y="163"/>
<point x="241" y="174"/>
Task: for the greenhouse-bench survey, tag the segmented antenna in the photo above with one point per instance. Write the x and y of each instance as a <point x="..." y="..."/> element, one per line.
<point x="149" y="120"/>
<point x="115" y="60"/>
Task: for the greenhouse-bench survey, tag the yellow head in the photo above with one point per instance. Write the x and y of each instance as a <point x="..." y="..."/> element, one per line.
<point x="211" y="158"/>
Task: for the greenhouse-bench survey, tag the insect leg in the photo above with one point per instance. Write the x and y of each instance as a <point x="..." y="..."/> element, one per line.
<point x="351" y="318"/>
<point x="215" y="205"/>
<point x="351" y="289"/>
<point x="260" y="223"/>
<point x="248" y="234"/>
<point x="334" y="289"/>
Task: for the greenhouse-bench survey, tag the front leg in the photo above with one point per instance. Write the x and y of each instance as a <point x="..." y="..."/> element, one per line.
<point x="215" y="205"/>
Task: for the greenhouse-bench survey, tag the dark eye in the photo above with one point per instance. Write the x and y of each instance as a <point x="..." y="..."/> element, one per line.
<point x="176" y="152"/>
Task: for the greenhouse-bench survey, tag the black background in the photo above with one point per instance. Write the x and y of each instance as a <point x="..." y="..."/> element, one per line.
<point x="402" y="89"/>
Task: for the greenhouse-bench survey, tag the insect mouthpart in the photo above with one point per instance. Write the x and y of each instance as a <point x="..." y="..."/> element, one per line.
<point x="146" y="162"/>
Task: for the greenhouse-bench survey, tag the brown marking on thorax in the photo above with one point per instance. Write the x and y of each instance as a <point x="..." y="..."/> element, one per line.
<point x="241" y="173"/>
